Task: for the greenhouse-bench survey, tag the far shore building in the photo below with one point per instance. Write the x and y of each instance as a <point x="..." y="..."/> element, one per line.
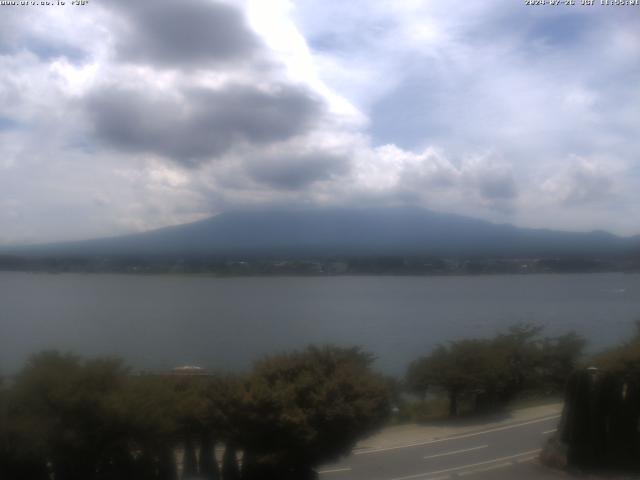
<point x="189" y="371"/>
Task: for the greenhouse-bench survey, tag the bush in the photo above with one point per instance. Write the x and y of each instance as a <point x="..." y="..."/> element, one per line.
<point x="310" y="407"/>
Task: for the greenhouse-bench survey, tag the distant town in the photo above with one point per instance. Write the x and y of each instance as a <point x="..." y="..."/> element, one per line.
<point x="373" y="265"/>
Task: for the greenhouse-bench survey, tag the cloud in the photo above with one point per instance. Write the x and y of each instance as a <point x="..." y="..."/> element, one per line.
<point x="582" y="182"/>
<point x="499" y="187"/>
<point x="7" y="123"/>
<point x="188" y="33"/>
<point x="483" y="76"/>
<point x="493" y="181"/>
<point x="8" y="30"/>
<point x="292" y="171"/>
<point x="431" y="170"/>
<point x="199" y="124"/>
<point x="133" y="115"/>
<point x="43" y="34"/>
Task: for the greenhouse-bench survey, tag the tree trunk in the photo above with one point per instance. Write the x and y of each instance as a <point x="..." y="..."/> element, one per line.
<point x="453" y="403"/>
<point x="167" y="469"/>
<point x="230" y="470"/>
<point x="208" y="463"/>
<point x="250" y="468"/>
<point x="304" y="472"/>
<point x="189" y="462"/>
<point x="24" y="470"/>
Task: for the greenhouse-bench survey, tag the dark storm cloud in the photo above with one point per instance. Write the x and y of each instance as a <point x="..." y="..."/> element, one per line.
<point x="183" y="33"/>
<point x="200" y="124"/>
<point x="295" y="171"/>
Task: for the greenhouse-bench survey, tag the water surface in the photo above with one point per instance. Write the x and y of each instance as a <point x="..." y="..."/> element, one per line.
<point x="158" y="322"/>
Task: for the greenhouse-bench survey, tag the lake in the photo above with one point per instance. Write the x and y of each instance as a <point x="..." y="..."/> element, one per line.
<point x="157" y="322"/>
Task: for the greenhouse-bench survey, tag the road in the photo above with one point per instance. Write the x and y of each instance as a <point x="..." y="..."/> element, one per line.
<point x="502" y="452"/>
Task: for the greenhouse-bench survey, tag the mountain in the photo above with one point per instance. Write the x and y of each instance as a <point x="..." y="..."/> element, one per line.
<point x="345" y="232"/>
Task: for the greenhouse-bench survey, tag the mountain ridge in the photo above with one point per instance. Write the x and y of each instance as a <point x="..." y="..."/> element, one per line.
<point x="334" y="232"/>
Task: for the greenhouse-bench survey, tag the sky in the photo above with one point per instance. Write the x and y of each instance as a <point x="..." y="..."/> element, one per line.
<point x="120" y="116"/>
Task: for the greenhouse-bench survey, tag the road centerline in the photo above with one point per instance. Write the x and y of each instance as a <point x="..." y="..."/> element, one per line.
<point x="456" y="437"/>
<point x="334" y="470"/>
<point x="490" y="468"/>
<point x="454" y="452"/>
<point x="465" y="467"/>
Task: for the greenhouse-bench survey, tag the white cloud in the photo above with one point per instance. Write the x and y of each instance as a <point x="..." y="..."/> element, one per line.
<point x="581" y="181"/>
<point x="468" y="108"/>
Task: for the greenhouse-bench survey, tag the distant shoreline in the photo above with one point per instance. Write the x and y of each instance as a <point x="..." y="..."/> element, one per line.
<point x="313" y="275"/>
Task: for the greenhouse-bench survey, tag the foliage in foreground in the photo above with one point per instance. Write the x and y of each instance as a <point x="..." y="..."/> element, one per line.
<point x="600" y="424"/>
<point x="600" y="420"/>
<point x="310" y="407"/>
<point x="599" y="427"/>
<point x="74" y="419"/>
<point x="623" y="360"/>
<point x="487" y="373"/>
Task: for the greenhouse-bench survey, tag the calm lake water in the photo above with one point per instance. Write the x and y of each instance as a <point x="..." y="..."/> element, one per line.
<point x="162" y="321"/>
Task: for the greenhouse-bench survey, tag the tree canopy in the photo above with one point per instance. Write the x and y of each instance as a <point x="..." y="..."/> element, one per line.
<point x="622" y="360"/>
<point x="309" y="407"/>
<point x="92" y="419"/>
<point x="494" y="370"/>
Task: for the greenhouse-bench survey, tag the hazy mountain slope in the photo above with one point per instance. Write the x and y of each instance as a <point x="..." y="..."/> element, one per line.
<point x="399" y="231"/>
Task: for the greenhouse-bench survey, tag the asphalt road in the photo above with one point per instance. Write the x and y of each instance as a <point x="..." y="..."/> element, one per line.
<point x="504" y="452"/>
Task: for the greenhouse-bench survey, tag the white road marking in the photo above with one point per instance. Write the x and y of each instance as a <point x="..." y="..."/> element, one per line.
<point x="456" y="437"/>
<point x="464" y="467"/>
<point x="526" y="459"/>
<point x="455" y="452"/>
<point x="485" y="469"/>
<point x="334" y="470"/>
<point x="546" y="432"/>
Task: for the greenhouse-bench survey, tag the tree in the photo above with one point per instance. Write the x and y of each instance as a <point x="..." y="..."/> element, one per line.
<point x="491" y="372"/>
<point x="66" y="411"/>
<point x="518" y="352"/>
<point x="558" y="359"/>
<point x="623" y="360"/>
<point x="602" y="410"/>
<point x="208" y="465"/>
<point x="461" y="368"/>
<point x="221" y="421"/>
<point x="309" y="407"/>
<point x="19" y="460"/>
<point x="230" y="470"/>
<point x="149" y="408"/>
<point x="191" y="410"/>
